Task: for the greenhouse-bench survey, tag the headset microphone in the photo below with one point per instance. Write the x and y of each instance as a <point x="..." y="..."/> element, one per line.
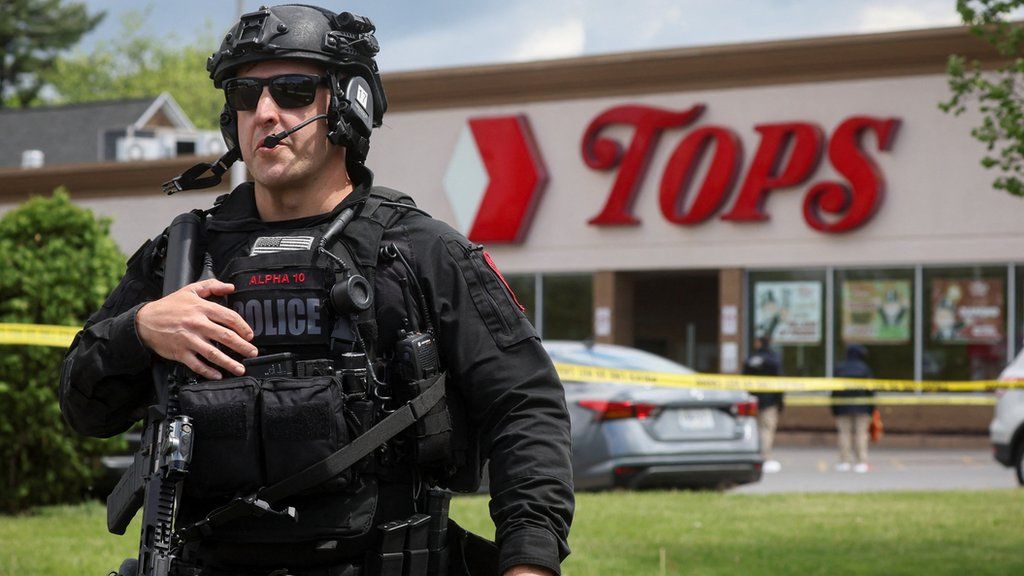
<point x="274" y="139"/>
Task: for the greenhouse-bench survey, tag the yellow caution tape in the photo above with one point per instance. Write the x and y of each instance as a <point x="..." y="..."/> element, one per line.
<point x="38" y="334"/>
<point x="61" y="337"/>
<point x="572" y="372"/>
<point x="915" y="400"/>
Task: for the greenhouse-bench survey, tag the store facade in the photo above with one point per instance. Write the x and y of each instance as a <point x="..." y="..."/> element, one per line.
<point x="683" y="201"/>
<point x="809" y="190"/>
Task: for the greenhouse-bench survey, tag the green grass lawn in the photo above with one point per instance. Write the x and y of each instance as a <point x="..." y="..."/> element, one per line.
<point x="628" y="533"/>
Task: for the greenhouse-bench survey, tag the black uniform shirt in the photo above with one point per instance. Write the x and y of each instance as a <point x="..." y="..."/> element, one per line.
<point x="513" y="398"/>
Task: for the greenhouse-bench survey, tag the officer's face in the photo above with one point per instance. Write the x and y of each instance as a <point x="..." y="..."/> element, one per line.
<point x="300" y="157"/>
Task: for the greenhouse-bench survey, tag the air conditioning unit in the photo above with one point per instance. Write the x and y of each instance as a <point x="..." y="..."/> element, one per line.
<point x="210" y="143"/>
<point x="177" y="144"/>
<point x="133" y="148"/>
<point x="169" y="144"/>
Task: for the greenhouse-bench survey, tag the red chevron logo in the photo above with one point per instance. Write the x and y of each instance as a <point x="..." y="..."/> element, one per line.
<point x="495" y="179"/>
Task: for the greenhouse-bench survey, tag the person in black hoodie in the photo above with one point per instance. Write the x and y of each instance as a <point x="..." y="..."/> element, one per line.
<point x="764" y="362"/>
<point x="853" y="420"/>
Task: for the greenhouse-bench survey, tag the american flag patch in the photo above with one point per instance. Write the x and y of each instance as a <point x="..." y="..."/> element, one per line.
<point x="268" y="244"/>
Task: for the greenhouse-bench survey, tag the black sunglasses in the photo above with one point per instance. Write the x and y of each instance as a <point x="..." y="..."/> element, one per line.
<point x="288" y="90"/>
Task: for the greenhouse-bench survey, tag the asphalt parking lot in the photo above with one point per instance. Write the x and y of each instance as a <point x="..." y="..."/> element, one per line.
<point x="812" y="469"/>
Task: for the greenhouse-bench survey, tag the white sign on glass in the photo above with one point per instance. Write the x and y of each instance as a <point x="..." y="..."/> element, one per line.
<point x="603" y="321"/>
<point x="730" y="320"/>
<point x="730" y="363"/>
<point x="788" y="312"/>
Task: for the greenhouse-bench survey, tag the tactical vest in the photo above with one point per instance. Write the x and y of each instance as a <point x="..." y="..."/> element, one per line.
<point x="288" y="414"/>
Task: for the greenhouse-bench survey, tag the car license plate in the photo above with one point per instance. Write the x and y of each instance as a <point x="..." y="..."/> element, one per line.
<point x="695" y="419"/>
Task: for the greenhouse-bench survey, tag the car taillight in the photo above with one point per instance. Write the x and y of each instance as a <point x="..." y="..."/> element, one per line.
<point x="617" y="410"/>
<point x="745" y="408"/>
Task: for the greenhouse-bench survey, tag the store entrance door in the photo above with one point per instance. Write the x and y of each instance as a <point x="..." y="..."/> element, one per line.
<point x="675" y="315"/>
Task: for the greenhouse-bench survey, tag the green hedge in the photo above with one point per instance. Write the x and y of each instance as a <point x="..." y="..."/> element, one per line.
<point x="57" y="264"/>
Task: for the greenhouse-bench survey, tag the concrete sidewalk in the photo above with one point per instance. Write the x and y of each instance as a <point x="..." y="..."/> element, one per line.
<point x="812" y="469"/>
<point x="827" y="439"/>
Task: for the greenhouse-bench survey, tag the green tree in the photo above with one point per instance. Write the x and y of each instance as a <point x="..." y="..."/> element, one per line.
<point x="138" y="65"/>
<point x="996" y="93"/>
<point x="59" y="263"/>
<point x="32" y="34"/>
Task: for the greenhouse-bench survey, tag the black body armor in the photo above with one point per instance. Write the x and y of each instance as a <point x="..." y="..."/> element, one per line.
<point x="298" y="407"/>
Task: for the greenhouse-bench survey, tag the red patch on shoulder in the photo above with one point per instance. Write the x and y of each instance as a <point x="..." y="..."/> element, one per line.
<point x="494" y="268"/>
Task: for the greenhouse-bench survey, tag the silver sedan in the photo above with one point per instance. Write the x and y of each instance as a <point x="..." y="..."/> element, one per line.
<point x="636" y="436"/>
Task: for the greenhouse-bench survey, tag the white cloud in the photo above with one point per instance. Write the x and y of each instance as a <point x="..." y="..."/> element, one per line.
<point x="511" y="32"/>
<point x="560" y="40"/>
<point x="887" y="16"/>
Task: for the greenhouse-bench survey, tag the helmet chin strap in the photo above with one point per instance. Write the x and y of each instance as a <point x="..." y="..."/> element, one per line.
<point x="190" y="179"/>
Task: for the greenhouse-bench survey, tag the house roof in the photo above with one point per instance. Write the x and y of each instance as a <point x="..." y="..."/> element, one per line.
<point x="73" y="134"/>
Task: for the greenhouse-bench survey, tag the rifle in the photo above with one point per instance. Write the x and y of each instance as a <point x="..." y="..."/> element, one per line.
<point x="153" y="482"/>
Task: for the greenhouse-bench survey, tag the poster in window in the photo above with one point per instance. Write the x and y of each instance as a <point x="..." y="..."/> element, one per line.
<point x="966" y="311"/>
<point x="876" y="311"/>
<point x="788" y="312"/>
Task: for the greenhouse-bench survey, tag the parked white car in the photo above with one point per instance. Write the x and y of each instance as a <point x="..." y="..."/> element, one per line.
<point x="1007" y="428"/>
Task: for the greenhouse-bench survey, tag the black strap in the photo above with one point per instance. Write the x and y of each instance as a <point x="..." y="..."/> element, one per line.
<point x="190" y="179"/>
<point x="263" y="500"/>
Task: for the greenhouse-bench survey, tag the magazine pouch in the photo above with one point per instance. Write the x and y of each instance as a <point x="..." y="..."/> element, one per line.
<point x="302" y="422"/>
<point x="227" y="452"/>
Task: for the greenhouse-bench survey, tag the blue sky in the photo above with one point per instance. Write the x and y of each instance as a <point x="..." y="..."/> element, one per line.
<point x="442" y="33"/>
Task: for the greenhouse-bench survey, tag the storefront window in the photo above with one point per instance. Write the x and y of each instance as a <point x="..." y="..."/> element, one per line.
<point x="875" y="308"/>
<point x="524" y="286"/>
<point x="789" y="308"/>
<point x="964" y="323"/>
<point x="568" y="307"/>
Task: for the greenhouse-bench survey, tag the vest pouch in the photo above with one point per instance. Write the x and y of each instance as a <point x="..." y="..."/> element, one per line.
<point x="434" y="430"/>
<point x="226" y="455"/>
<point x="302" y="422"/>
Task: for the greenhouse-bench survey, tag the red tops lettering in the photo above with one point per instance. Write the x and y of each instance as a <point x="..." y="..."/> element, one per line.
<point x="787" y="156"/>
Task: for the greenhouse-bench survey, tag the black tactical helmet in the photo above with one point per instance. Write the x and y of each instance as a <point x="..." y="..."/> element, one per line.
<point x="342" y="43"/>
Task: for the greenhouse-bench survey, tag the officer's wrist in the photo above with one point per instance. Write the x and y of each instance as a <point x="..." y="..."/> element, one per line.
<point x="140" y="333"/>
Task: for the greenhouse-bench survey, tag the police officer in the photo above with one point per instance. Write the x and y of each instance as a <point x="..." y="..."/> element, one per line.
<point x="306" y="78"/>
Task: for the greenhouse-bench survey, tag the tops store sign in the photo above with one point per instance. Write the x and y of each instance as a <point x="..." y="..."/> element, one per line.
<point x="496" y="176"/>
<point x="787" y="156"/>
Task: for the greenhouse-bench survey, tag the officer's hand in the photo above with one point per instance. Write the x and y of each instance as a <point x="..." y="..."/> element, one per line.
<point x="183" y="326"/>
